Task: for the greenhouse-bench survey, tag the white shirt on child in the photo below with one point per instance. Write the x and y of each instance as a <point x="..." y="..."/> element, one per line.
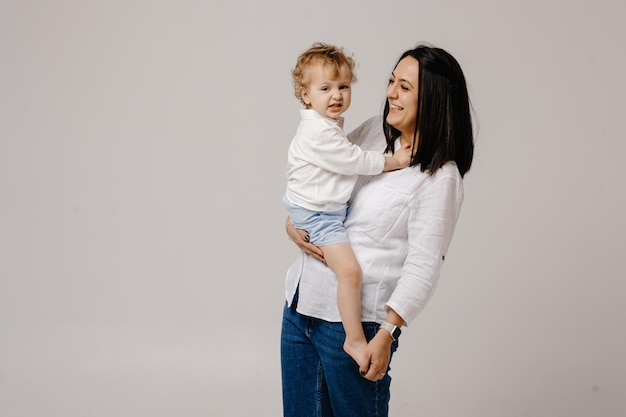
<point x="400" y="225"/>
<point x="323" y="165"/>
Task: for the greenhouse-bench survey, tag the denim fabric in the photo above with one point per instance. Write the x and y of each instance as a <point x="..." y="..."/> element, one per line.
<point x="319" y="379"/>
<point x="325" y="228"/>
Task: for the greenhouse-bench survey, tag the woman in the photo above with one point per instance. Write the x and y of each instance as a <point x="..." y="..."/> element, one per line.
<point x="400" y="225"/>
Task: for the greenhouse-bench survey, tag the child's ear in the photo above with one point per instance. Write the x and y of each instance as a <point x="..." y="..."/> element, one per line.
<point x="305" y="96"/>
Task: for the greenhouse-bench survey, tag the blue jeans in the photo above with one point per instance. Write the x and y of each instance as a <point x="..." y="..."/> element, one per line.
<point x="319" y="379"/>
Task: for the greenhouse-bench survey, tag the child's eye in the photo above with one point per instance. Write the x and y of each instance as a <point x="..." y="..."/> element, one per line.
<point x="344" y="87"/>
<point x="324" y="89"/>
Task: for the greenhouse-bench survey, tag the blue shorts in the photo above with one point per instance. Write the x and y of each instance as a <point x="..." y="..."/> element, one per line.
<point x="325" y="228"/>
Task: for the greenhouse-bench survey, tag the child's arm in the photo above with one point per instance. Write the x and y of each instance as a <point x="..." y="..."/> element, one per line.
<point x="400" y="159"/>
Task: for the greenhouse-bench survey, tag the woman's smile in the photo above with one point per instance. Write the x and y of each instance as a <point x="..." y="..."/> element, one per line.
<point x="402" y="94"/>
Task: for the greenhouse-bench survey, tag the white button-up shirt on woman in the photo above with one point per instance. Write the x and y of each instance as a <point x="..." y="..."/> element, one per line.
<point x="400" y="225"/>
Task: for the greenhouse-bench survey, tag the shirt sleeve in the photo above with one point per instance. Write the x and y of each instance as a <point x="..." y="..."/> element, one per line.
<point x="432" y="220"/>
<point x="332" y="151"/>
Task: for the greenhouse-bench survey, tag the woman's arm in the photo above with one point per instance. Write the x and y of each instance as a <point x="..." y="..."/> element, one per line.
<point x="301" y="239"/>
<point x="431" y="223"/>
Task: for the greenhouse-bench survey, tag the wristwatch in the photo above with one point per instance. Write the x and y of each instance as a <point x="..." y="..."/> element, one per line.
<point x="394" y="331"/>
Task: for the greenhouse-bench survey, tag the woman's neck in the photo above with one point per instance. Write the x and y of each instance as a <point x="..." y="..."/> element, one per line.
<point x="406" y="139"/>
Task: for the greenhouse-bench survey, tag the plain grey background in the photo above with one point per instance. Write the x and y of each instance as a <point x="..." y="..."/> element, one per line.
<point x="142" y="248"/>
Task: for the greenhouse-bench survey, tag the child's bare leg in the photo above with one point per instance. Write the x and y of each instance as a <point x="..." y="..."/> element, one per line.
<point x="340" y="258"/>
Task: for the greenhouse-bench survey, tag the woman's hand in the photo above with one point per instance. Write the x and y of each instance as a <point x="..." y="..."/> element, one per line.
<point x="379" y="350"/>
<point x="301" y="239"/>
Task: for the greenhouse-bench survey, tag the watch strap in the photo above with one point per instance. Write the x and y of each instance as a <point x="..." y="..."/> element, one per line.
<point x="394" y="331"/>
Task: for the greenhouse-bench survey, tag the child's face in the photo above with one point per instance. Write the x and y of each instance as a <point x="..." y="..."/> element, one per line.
<point x="329" y="97"/>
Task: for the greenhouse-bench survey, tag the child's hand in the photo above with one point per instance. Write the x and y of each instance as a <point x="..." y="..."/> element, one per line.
<point x="403" y="156"/>
<point x="400" y="159"/>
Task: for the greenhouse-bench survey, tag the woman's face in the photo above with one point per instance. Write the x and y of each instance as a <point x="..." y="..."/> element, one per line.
<point x="402" y="96"/>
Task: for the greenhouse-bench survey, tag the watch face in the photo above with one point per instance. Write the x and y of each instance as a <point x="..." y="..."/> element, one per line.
<point x="396" y="333"/>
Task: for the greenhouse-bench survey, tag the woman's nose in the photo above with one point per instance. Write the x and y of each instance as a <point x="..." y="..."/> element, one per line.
<point x="391" y="91"/>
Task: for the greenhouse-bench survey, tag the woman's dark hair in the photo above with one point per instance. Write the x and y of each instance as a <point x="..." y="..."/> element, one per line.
<point x="444" y="123"/>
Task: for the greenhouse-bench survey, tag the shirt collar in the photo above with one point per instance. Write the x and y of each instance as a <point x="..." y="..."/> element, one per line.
<point x="310" y="114"/>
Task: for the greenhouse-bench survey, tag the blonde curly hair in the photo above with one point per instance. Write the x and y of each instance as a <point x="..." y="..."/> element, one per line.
<point x="329" y="55"/>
